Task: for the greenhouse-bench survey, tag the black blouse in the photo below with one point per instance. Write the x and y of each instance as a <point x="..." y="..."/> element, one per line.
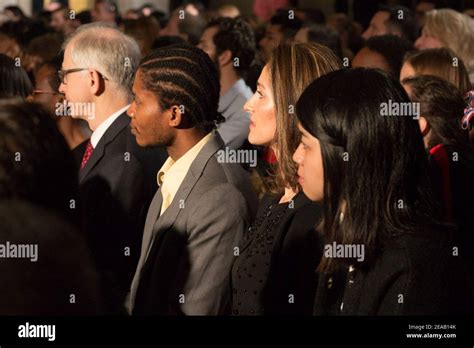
<point x="275" y="271"/>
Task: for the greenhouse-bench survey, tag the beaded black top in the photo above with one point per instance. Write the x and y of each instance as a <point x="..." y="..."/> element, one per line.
<point x="251" y="268"/>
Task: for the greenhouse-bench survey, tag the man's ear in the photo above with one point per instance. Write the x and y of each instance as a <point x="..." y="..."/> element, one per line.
<point x="175" y="118"/>
<point x="225" y="58"/>
<point x="424" y="126"/>
<point x="96" y="82"/>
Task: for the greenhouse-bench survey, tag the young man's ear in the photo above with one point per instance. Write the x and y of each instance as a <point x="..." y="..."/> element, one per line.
<point x="424" y="126"/>
<point x="175" y="116"/>
<point x="225" y="58"/>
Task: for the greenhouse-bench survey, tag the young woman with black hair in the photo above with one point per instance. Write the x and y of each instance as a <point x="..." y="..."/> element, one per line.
<point x="372" y="173"/>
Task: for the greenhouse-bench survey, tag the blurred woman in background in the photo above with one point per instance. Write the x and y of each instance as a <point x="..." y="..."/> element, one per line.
<point x="450" y="152"/>
<point x="451" y="29"/>
<point x="441" y="62"/>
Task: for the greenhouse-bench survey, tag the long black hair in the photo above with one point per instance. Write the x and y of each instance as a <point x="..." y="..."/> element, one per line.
<point x="376" y="171"/>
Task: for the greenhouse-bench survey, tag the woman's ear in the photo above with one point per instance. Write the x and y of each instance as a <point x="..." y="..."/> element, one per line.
<point x="424" y="126"/>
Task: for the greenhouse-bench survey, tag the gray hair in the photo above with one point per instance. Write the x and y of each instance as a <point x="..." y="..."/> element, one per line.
<point x="102" y="47"/>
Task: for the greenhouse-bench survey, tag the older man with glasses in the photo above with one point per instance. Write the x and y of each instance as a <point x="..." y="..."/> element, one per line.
<point x="96" y="77"/>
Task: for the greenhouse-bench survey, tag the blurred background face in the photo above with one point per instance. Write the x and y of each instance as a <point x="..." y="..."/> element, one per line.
<point x="171" y="27"/>
<point x="273" y="37"/>
<point x="301" y="35"/>
<point x="206" y="43"/>
<point x="426" y="41"/>
<point x="367" y="58"/>
<point x="100" y="13"/>
<point x="262" y="112"/>
<point x="58" y="22"/>
<point x="148" y="123"/>
<point x="310" y="166"/>
<point x="407" y="71"/>
<point x="420" y="11"/>
<point x="43" y="93"/>
<point x="377" y="25"/>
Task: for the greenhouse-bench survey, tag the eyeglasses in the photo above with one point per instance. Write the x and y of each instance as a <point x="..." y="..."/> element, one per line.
<point x="39" y="91"/>
<point x="63" y="73"/>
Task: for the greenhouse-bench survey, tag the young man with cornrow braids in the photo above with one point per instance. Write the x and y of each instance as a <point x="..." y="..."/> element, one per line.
<point x="197" y="218"/>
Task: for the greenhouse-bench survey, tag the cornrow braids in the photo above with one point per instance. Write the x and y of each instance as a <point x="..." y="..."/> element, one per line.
<point x="184" y="75"/>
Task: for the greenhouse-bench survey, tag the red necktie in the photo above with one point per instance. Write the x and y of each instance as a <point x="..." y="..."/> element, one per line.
<point x="87" y="154"/>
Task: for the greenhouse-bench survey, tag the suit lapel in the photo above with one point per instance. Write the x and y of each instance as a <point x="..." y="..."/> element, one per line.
<point x="151" y="219"/>
<point x="168" y="218"/>
<point x="156" y="224"/>
<point x="118" y="125"/>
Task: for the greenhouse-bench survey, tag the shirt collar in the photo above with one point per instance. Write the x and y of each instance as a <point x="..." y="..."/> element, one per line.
<point x="180" y="168"/>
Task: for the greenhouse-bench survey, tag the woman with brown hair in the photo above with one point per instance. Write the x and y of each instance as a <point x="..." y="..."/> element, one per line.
<point x="440" y="62"/>
<point x="275" y="270"/>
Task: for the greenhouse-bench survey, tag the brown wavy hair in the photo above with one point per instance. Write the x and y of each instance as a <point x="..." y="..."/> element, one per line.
<point x="292" y="68"/>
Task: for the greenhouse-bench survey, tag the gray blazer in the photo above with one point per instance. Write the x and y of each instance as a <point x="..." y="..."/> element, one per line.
<point x="187" y="253"/>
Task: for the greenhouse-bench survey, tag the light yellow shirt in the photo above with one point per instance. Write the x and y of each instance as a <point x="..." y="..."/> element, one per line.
<point x="171" y="175"/>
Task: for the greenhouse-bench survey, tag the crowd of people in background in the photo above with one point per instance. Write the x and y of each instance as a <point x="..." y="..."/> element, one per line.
<point x="203" y="162"/>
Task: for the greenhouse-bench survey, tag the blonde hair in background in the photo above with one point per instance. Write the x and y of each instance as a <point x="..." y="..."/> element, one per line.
<point x="292" y="68"/>
<point x="455" y="31"/>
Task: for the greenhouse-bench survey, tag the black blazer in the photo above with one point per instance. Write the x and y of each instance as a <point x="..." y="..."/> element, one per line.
<point x="296" y="255"/>
<point x="415" y="274"/>
<point x="114" y="194"/>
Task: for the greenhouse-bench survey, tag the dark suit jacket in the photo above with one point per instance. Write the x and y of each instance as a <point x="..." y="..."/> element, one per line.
<point x="187" y="252"/>
<point x="114" y="195"/>
<point x="415" y="274"/>
<point x="296" y="255"/>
